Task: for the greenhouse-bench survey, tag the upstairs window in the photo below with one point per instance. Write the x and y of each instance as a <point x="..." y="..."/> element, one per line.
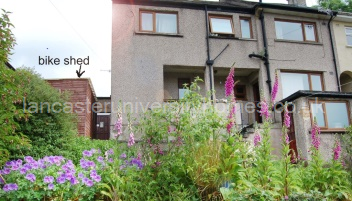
<point x="246" y="27"/>
<point x="330" y="115"/>
<point x="158" y="22"/>
<point x="348" y="31"/>
<point x="221" y="24"/>
<point x="296" y="31"/>
<point x="292" y="82"/>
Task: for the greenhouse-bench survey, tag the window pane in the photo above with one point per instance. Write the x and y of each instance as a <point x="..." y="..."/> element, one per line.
<point x="166" y="23"/>
<point x="289" y="30"/>
<point x="221" y="25"/>
<point x="182" y="93"/>
<point x="318" y="114"/>
<point x="349" y="40"/>
<point x="309" y="30"/>
<point x="245" y="28"/>
<point x="316" y="83"/>
<point x="147" y="22"/>
<point x="348" y="30"/>
<point x="292" y="82"/>
<point x="337" y="115"/>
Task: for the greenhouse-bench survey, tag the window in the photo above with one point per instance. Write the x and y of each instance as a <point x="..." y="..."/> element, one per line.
<point x="181" y="86"/>
<point x="246" y="27"/>
<point x="298" y="31"/>
<point x="332" y="115"/>
<point x="240" y="92"/>
<point x="221" y="24"/>
<point x="348" y="31"/>
<point x="158" y="22"/>
<point x="292" y="82"/>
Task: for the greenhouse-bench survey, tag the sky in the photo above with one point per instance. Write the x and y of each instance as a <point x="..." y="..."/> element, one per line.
<point x="63" y="29"/>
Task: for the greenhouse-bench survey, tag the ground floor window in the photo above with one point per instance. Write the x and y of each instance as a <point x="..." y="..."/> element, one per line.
<point x="182" y="83"/>
<point x="330" y="115"/>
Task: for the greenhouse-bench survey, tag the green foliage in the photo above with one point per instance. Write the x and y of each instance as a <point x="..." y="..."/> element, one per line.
<point x="336" y="5"/>
<point x="50" y="132"/>
<point x="11" y="95"/>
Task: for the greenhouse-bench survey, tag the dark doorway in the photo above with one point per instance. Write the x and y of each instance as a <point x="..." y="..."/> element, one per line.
<point x="291" y="134"/>
<point x="256" y="97"/>
<point x="103" y="127"/>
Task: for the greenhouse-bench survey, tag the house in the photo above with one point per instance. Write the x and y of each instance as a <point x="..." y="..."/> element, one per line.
<point x="82" y="97"/>
<point x="159" y="45"/>
<point x="342" y="30"/>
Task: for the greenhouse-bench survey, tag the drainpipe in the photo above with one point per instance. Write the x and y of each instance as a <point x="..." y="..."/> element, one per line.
<point x="209" y="62"/>
<point x="266" y="54"/>
<point x="333" y="53"/>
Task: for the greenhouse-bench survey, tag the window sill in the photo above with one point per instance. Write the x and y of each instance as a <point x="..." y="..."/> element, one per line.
<point x="349" y="46"/>
<point x="332" y="131"/>
<point x="299" y="42"/>
<point x="158" y="34"/>
<point x="248" y="39"/>
<point x="232" y="38"/>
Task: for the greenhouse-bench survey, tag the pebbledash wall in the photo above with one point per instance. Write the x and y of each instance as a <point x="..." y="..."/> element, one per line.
<point x="143" y="64"/>
<point x="82" y="95"/>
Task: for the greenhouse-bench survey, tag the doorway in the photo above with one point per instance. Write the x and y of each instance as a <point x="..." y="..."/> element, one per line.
<point x="103" y="126"/>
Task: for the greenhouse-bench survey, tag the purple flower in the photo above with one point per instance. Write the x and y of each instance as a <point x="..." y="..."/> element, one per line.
<point x="230" y="83"/>
<point x="23" y="170"/>
<point x="111" y="160"/>
<point x="100" y="159"/>
<point x="264" y="110"/>
<point x="10" y="187"/>
<point x="88" y="182"/>
<point x="118" y="125"/>
<point x="87" y="153"/>
<point x="109" y="152"/>
<point x="123" y="156"/>
<point x="315" y="136"/>
<point x="51" y="186"/>
<point x="131" y="140"/>
<point x="287" y="120"/>
<point x="97" y="178"/>
<point x="257" y="139"/>
<point x="337" y="150"/>
<point x="28" y="159"/>
<point x="74" y="181"/>
<point x="31" y="177"/>
<point x="48" y="179"/>
<point x="275" y="89"/>
<point x="61" y="180"/>
<point x="6" y="171"/>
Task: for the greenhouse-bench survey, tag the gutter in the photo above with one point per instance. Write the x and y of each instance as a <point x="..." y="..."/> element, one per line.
<point x="333" y="53"/>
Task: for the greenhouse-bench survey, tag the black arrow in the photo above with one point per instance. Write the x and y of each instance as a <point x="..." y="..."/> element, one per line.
<point x="79" y="74"/>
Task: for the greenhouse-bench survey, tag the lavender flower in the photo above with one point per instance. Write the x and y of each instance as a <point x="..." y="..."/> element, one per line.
<point x="100" y="159"/>
<point x="131" y="140"/>
<point x="287" y="120"/>
<point x="10" y="187"/>
<point x="264" y="110"/>
<point x="315" y="138"/>
<point x="28" y="159"/>
<point x="31" y="177"/>
<point x="87" y="153"/>
<point x="337" y="150"/>
<point x="123" y="156"/>
<point x="61" y="180"/>
<point x="275" y="89"/>
<point x="230" y="83"/>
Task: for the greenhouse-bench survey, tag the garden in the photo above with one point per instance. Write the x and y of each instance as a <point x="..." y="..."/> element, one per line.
<point x="189" y="151"/>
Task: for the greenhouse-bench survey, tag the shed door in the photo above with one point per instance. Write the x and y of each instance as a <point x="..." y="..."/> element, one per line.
<point x="103" y="127"/>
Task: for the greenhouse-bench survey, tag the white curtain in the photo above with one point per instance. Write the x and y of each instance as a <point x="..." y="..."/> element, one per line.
<point x="166" y="23"/>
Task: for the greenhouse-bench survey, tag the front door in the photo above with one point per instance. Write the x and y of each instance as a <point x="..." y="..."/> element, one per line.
<point x="103" y="127"/>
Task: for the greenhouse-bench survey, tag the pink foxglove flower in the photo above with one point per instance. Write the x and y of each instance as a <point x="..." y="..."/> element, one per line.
<point x="275" y="89"/>
<point x="287" y="139"/>
<point x="231" y="117"/>
<point x="118" y="125"/>
<point x="264" y="110"/>
<point x="287" y="120"/>
<point x="315" y="135"/>
<point x="131" y="140"/>
<point x="257" y="139"/>
<point x="230" y="83"/>
<point x="337" y="150"/>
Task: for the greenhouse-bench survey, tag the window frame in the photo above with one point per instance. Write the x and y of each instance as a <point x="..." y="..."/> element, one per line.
<point x="326" y="127"/>
<point x="250" y="26"/>
<point x="230" y="17"/>
<point x="154" y="12"/>
<point x="346" y="34"/>
<point x="303" y="29"/>
<point x="309" y="78"/>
